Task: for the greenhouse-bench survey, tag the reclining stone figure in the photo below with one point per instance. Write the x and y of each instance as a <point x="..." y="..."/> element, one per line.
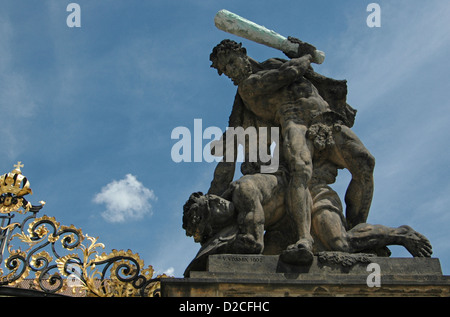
<point x="250" y="218"/>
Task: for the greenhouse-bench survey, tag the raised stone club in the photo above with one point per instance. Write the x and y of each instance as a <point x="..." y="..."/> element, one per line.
<point x="237" y="25"/>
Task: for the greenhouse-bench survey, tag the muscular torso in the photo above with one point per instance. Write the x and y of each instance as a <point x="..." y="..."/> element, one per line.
<point x="297" y="101"/>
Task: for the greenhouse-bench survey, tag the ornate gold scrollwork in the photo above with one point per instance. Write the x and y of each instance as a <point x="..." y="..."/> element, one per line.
<point x="82" y="269"/>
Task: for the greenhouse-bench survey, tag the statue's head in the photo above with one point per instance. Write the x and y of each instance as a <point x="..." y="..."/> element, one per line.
<point x="230" y="58"/>
<point x="205" y="215"/>
<point x="195" y="217"/>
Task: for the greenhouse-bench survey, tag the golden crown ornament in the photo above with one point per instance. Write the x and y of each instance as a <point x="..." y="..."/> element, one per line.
<point x="13" y="186"/>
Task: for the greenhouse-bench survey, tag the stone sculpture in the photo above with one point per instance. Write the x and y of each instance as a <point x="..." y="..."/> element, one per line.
<point x="218" y="222"/>
<point x="293" y="211"/>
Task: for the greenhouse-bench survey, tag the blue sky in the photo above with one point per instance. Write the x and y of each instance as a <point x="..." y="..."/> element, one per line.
<point x="90" y="110"/>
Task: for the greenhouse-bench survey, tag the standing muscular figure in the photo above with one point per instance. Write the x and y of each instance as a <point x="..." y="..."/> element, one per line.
<point x="281" y="95"/>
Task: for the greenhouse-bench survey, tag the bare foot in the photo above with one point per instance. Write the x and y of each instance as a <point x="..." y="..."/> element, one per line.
<point x="416" y="243"/>
<point x="246" y="244"/>
<point x="299" y="253"/>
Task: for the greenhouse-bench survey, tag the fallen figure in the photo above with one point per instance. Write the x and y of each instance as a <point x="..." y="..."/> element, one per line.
<point x="254" y="207"/>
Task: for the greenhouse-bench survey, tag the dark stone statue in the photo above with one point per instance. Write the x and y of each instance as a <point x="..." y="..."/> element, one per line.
<point x="292" y="212"/>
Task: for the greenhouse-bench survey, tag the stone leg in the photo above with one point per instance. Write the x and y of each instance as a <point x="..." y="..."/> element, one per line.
<point x="298" y="154"/>
<point x="350" y="153"/>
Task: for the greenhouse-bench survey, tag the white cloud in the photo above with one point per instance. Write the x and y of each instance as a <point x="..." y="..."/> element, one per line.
<point x="169" y="271"/>
<point x="126" y="199"/>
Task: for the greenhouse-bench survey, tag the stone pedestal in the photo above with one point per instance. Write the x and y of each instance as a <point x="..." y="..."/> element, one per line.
<point x="330" y="274"/>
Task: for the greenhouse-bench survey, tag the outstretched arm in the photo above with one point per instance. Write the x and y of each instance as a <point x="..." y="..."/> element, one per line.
<point x="223" y="176"/>
<point x="269" y="81"/>
<point x="225" y="169"/>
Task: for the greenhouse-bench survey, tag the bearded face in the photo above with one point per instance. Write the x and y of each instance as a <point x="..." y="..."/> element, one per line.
<point x="235" y="66"/>
<point x="195" y="218"/>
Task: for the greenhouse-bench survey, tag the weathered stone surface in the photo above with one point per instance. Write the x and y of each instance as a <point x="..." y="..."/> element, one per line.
<point x="286" y="232"/>
<point x="292" y="211"/>
<point x="325" y="263"/>
<point x="295" y="288"/>
<point x="231" y="275"/>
